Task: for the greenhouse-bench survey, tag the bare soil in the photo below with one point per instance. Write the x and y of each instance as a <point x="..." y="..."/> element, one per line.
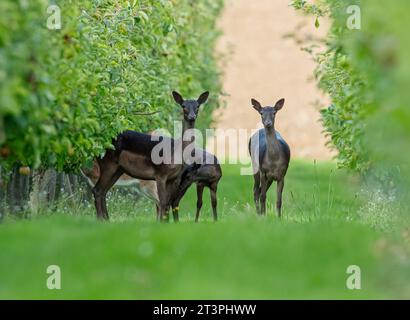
<point x="265" y="65"/>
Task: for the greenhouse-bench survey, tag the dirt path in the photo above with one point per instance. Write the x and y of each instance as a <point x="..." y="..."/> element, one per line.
<point x="267" y="67"/>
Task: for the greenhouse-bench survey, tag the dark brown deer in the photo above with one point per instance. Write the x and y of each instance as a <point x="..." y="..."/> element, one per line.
<point x="132" y="155"/>
<point x="204" y="175"/>
<point x="205" y="172"/>
<point x="270" y="157"/>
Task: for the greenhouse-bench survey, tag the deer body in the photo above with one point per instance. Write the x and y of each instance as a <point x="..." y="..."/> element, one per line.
<point x="147" y="187"/>
<point x="132" y="155"/>
<point x="205" y="172"/>
<point x="270" y="157"/>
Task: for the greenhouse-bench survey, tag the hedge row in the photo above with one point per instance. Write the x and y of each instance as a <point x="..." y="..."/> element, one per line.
<point x="365" y="72"/>
<point x="64" y="94"/>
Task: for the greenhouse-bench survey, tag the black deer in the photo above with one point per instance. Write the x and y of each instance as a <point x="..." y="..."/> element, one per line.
<point x="132" y="155"/>
<point x="270" y="157"/>
<point x="205" y="172"/>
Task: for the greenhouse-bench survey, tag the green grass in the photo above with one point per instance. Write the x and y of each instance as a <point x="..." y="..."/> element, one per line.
<point x="241" y="257"/>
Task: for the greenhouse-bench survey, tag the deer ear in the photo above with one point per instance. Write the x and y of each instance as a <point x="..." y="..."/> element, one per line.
<point x="279" y="104"/>
<point x="203" y="97"/>
<point x="177" y="97"/>
<point x="256" y="105"/>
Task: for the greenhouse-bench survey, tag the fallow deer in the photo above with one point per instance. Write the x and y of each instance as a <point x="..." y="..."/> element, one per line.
<point x="132" y="155"/>
<point x="147" y="188"/>
<point x="205" y="172"/>
<point x="270" y="157"/>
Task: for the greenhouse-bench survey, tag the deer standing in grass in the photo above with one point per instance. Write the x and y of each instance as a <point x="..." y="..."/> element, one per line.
<point x="270" y="157"/>
<point x="132" y="155"/>
<point x="205" y="172"/>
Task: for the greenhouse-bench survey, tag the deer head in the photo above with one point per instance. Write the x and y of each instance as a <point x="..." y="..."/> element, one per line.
<point x="190" y="108"/>
<point x="268" y="113"/>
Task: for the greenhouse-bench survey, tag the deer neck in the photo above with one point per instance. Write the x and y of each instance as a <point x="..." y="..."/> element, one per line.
<point x="185" y="127"/>
<point x="272" y="142"/>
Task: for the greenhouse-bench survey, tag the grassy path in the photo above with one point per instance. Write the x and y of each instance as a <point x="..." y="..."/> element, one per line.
<point x="303" y="256"/>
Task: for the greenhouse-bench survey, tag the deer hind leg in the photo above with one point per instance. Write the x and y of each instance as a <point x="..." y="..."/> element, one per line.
<point x="279" y="191"/>
<point x="163" y="199"/>
<point x="175" y="208"/>
<point x="257" y="191"/>
<point x="214" y="200"/>
<point x="109" y="175"/>
<point x="199" y="194"/>
<point x="175" y="211"/>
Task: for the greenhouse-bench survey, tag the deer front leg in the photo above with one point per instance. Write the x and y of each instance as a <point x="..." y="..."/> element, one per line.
<point x="279" y="190"/>
<point x="98" y="207"/>
<point x="257" y="191"/>
<point x="264" y="188"/>
<point x="265" y="184"/>
<point x="172" y="199"/>
<point x="175" y="208"/>
<point x="199" y="193"/>
<point x="178" y="195"/>
<point x="163" y="199"/>
<point x="213" y="189"/>
<point x="107" y="179"/>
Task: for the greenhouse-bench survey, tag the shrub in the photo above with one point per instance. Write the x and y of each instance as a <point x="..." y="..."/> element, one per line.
<point x="64" y="94"/>
<point x="337" y="76"/>
<point x="365" y="72"/>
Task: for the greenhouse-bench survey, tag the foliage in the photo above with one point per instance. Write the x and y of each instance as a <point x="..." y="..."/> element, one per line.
<point x="365" y="72"/>
<point x="346" y="86"/>
<point x="64" y="94"/>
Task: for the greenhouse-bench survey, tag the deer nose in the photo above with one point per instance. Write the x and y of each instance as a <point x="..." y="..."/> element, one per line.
<point x="268" y="124"/>
<point x="191" y="117"/>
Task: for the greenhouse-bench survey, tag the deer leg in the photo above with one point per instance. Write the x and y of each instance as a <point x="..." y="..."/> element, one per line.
<point x="199" y="193"/>
<point x="264" y="189"/>
<point x="257" y="191"/>
<point x="269" y="183"/>
<point x="213" y="189"/>
<point x="182" y="189"/>
<point x="108" y="177"/>
<point x="279" y="190"/>
<point x="166" y="218"/>
<point x="163" y="199"/>
<point x="175" y="211"/>
<point x="179" y="194"/>
<point x="109" y="186"/>
<point x="172" y="199"/>
<point x="175" y="208"/>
